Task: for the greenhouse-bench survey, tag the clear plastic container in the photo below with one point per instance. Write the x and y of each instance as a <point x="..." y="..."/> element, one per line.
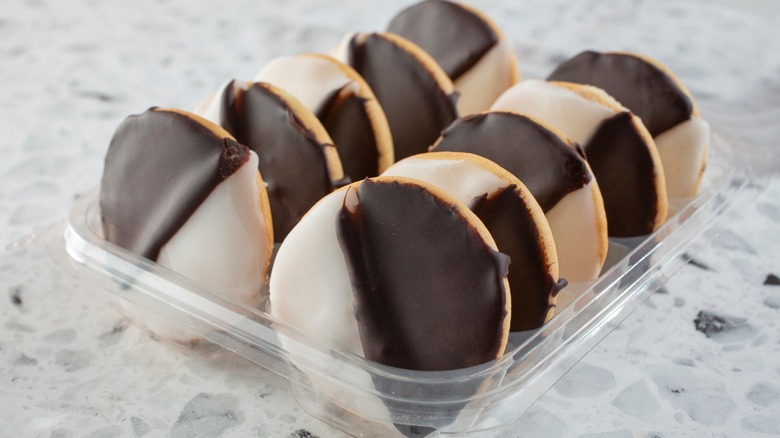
<point x="368" y="399"/>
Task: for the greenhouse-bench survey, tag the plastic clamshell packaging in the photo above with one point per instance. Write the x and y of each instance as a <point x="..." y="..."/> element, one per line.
<point x="367" y="399"/>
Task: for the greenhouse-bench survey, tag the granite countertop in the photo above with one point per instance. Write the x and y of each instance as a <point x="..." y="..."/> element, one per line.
<point x="700" y="358"/>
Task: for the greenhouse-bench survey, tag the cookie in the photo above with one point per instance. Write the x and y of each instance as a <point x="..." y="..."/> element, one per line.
<point x="619" y="149"/>
<point x="468" y="46"/>
<point x="396" y="271"/>
<point x="551" y="166"/>
<point x="652" y="92"/>
<point x="511" y="215"/>
<point x="179" y="190"/>
<point x="296" y="155"/>
<point x="345" y="105"/>
<point x="417" y="96"/>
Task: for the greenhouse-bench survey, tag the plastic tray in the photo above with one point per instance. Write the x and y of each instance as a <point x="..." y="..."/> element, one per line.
<point x="367" y="399"/>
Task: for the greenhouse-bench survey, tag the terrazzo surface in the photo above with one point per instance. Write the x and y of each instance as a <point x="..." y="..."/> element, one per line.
<point x="701" y="357"/>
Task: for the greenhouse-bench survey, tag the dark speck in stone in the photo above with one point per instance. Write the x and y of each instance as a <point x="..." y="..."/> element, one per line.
<point x="661" y="290"/>
<point x="97" y="95"/>
<point x="684" y="361"/>
<point x="302" y="433"/>
<point x="113" y="336"/>
<point x="24" y="360"/>
<point x="772" y="280"/>
<point x="16" y="296"/>
<point x="711" y="324"/>
<point x="677" y="390"/>
<point x="692" y="261"/>
<point x="72" y="360"/>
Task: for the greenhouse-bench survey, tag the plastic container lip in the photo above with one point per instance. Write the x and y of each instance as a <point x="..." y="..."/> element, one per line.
<point x="734" y="177"/>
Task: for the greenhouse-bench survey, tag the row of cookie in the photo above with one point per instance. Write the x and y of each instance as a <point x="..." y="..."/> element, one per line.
<point x="416" y="102"/>
<point x="300" y="165"/>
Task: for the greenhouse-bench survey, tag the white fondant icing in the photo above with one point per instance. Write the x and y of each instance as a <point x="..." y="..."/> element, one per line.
<point x="562" y="108"/>
<point x="575" y="228"/>
<point x="310" y="79"/>
<point x="311" y="291"/>
<point x="224" y="246"/>
<point x="310" y="286"/>
<point x="683" y="149"/>
<point x="487" y="79"/>
<point x="463" y="179"/>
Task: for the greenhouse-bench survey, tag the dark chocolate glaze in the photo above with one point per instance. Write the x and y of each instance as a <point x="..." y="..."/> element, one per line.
<point x="637" y="84"/>
<point x="417" y="109"/>
<point x="429" y="291"/>
<point x="625" y="170"/>
<point x="227" y="113"/>
<point x="539" y="158"/>
<point x="159" y="169"/>
<point x="506" y="217"/>
<point x="345" y="118"/>
<point x="454" y="36"/>
<point x="291" y="160"/>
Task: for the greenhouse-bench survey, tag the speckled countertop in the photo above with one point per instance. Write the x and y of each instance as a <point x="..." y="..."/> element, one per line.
<point x="71" y="366"/>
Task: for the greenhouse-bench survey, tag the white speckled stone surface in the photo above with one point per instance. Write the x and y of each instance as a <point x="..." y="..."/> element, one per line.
<point x="71" y="366"/>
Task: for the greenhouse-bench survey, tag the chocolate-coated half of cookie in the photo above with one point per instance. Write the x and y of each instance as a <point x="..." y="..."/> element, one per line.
<point x="416" y="95"/>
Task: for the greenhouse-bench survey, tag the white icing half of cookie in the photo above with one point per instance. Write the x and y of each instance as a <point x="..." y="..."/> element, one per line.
<point x="312" y="80"/>
<point x="493" y="74"/>
<point x="557" y="106"/>
<point x="580" y="239"/>
<point x="463" y="179"/>
<point x="683" y="151"/>
<point x="310" y="286"/>
<point x="224" y="246"/>
<point x="311" y="291"/>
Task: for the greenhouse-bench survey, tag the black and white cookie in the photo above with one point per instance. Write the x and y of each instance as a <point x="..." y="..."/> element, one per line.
<point x="296" y="155"/>
<point x="652" y="92"/>
<point x="179" y="190"/>
<point x="468" y="46"/>
<point x="345" y="105"/>
<point x="618" y="147"/>
<point x="397" y="271"/>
